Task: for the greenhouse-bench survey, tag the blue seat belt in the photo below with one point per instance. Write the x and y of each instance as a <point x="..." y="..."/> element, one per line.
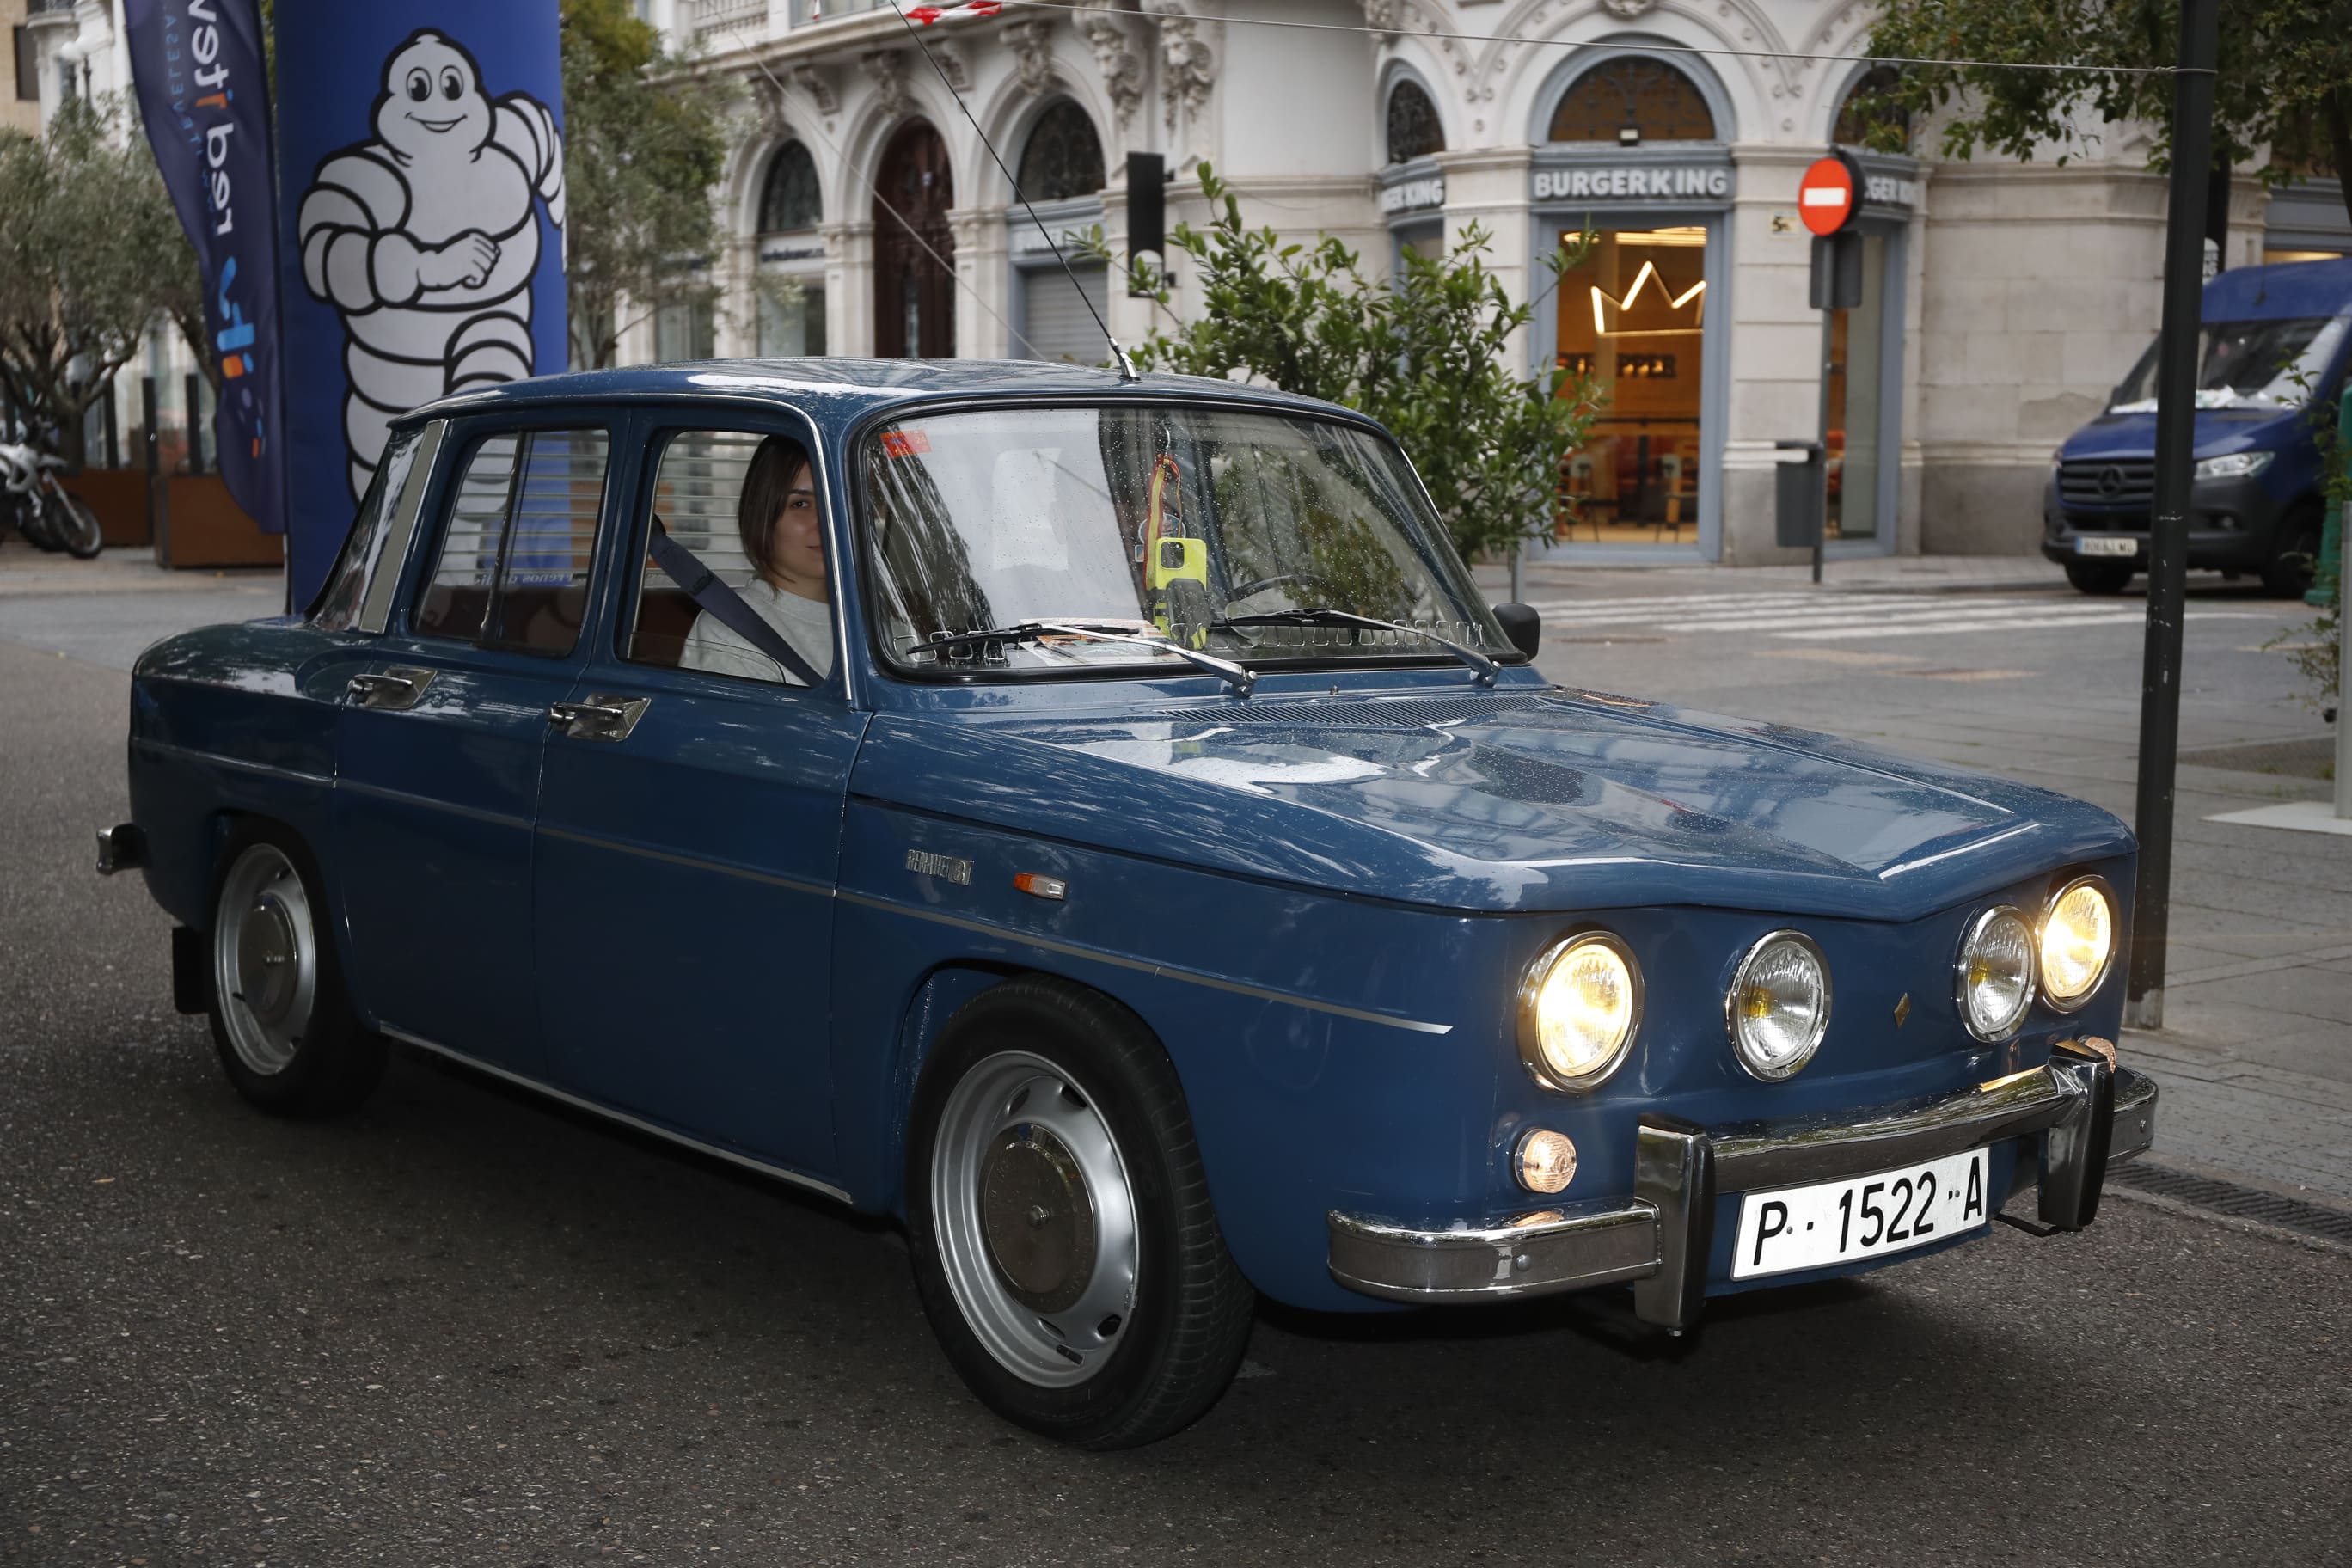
<point x="683" y="567"/>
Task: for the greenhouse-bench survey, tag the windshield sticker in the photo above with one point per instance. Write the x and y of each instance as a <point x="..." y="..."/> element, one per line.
<point x="904" y="443"/>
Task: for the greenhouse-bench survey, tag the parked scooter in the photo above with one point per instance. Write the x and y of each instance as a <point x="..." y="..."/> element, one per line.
<point x="49" y="516"/>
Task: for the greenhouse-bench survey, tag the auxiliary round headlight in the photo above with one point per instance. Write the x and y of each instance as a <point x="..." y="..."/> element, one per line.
<point x="2078" y="943"/>
<point x="1994" y="979"/>
<point x="1579" y="1007"/>
<point x="1544" y="1161"/>
<point x="1779" y="1005"/>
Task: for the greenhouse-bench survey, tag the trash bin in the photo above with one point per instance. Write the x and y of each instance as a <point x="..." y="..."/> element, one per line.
<point x="1798" y="494"/>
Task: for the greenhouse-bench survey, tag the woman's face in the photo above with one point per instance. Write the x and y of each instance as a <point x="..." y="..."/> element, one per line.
<point x="796" y="539"/>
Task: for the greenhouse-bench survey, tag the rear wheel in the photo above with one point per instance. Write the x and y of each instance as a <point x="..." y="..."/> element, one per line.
<point x="2104" y="578"/>
<point x="285" y="1032"/>
<point x="1064" y="1245"/>
<point x="2288" y="576"/>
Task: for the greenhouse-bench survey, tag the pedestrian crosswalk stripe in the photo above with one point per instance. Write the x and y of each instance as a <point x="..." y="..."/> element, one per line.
<point x="1805" y="615"/>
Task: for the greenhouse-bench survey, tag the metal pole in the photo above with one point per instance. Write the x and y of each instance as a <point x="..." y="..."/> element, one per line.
<point x="1822" y="426"/>
<point x="2175" y="436"/>
<point x="2343" y="595"/>
<point x="1519" y="574"/>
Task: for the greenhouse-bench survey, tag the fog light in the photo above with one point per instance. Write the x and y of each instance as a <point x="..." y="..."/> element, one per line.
<point x="1546" y="1161"/>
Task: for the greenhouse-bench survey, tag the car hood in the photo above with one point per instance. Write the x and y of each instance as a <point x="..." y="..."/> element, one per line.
<point x="1527" y="800"/>
<point x="2218" y="431"/>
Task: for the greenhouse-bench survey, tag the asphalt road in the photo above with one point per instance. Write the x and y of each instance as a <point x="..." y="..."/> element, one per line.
<point x="465" y="1328"/>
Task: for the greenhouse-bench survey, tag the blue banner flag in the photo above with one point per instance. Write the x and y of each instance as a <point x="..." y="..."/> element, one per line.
<point x="205" y="101"/>
<point x="421" y="155"/>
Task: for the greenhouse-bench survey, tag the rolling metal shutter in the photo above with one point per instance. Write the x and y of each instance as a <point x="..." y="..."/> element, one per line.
<point x="1053" y="317"/>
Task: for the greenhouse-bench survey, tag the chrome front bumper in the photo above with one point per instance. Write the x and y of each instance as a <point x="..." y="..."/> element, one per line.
<point x="2088" y="1112"/>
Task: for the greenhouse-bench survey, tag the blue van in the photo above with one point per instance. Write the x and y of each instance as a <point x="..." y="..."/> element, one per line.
<point x="2272" y="338"/>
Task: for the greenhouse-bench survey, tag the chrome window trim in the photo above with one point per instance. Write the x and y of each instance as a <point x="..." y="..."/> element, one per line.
<point x="391" y="562"/>
<point x="2106" y="970"/>
<point x="1531" y="1041"/>
<point x="1974" y="930"/>
<point x="1731" y="1000"/>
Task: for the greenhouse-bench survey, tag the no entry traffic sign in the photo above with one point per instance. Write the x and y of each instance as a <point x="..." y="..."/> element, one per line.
<point x="1828" y="195"/>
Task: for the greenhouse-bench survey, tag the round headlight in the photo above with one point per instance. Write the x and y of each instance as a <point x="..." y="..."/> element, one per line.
<point x="1579" y="1007"/>
<point x="2078" y="943"/>
<point x="1544" y="1161"/>
<point x="1994" y="979"/>
<point x="1779" y="1005"/>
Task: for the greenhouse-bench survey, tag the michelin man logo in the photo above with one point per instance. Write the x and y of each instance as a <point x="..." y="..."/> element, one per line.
<point x="425" y="239"/>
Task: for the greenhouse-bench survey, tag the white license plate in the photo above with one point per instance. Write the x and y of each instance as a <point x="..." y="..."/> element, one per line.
<point x="2099" y="544"/>
<point x="1864" y="1217"/>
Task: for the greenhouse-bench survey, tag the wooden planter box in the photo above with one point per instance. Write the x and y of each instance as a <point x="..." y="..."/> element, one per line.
<point x="206" y="529"/>
<point x="119" y="495"/>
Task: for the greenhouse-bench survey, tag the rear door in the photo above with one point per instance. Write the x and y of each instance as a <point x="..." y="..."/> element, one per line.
<point x="443" y="731"/>
<point x="690" y="839"/>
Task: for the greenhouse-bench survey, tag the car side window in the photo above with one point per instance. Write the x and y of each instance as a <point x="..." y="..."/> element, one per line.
<point x="511" y="569"/>
<point x="745" y="505"/>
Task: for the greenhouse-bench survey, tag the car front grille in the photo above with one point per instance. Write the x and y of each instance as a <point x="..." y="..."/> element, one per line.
<point x="2107" y="483"/>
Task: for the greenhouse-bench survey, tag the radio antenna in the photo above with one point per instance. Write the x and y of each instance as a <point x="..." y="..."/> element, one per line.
<point x="1125" y="365"/>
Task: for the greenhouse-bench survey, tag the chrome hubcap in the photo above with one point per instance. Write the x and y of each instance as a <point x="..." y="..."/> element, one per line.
<point x="1037" y="1219"/>
<point x="265" y="958"/>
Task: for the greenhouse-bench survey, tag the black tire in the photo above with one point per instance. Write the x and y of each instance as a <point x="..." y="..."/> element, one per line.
<point x="2103" y="578"/>
<point x="73" y="524"/>
<point x="2288" y="576"/>
<point x="1174" y="1351"/>
<point x="290" y="1053"/>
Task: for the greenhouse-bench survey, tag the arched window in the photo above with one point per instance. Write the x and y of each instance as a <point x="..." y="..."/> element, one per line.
<point x="789" y="200"/>
<point x="1414" y="129"/>
<point x="1630" y="101"/>
<point x="1063" y="157"/>
<point x="1873" y="108"/>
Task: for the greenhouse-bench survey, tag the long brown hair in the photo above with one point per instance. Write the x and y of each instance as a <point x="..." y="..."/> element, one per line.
<point x="765" y="484"/>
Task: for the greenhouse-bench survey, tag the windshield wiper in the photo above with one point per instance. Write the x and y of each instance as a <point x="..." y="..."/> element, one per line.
<point x="1324" y="616"/>
<point x="1241" y="678"/>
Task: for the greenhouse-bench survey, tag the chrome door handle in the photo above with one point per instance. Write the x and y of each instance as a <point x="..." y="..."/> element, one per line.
<point x="601" y="717"/>
<point x="392" y="690"/>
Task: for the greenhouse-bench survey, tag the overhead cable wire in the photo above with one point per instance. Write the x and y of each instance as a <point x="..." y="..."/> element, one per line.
<point x="1644" y="46"/>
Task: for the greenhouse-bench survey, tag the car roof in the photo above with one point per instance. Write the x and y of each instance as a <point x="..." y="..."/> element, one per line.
<point x="2279" y="291"/>
<point x="841" y="389"/>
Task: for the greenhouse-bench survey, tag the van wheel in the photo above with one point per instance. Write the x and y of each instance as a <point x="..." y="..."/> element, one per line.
<point x="2104" y="578"/>
<point x="2288" y="576"/>
<point x="1064" y="1245"/>
<point x="280" y="1019"/>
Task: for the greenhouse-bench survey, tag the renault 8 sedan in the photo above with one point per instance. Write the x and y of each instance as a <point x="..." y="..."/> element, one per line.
<point x="1096" y="820"/>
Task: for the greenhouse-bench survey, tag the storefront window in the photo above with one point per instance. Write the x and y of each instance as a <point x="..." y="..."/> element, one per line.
<point x="1869" y="110"/>
<point x="791" y="314"/>
<point x="1064" y="156"/>
<point x="1857" y="401"/>
<point x="789" y="200"/>
<point x="1629" y="101"/>
<point x="1632" y="319"/>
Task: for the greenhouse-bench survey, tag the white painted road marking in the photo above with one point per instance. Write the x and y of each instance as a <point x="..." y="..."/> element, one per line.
<point x="1814" y="617"/>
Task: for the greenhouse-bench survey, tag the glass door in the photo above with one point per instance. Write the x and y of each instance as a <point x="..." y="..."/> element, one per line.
<point x="1633" y="318"/>
<point x="1857" y="412"/>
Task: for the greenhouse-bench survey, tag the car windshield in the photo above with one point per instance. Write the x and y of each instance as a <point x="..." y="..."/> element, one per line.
<point x="1257" y="537"/>
<point x="2245" y="365"/>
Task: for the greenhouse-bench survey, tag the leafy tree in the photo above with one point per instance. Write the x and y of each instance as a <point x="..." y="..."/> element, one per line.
<point x="641" y="159"/>
<point x="2284" y="87"/>
<point x="1429" y="355"/>
<point x="89" y="251"/>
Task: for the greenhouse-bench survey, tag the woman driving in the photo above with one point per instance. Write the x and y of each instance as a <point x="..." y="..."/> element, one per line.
<point x="784" y="539"/>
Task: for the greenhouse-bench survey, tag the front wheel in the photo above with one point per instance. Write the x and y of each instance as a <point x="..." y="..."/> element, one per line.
<point x="2289" y="573"/>
<point x="2104" y="579"/>
<point x="72" y="523"/>
<point x="285" y="1032"/>
<point x="1064" y="1245"/>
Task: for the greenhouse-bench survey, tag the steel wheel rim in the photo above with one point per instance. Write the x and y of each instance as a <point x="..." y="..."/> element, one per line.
<point x="265" y="958"/>
<point x="1050" y="1306"/>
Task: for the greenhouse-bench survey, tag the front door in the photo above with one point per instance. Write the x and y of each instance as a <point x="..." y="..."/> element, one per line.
<point x="441" y="738"/>
<point x="914" y="250"/>
<point x="689" y="831"/>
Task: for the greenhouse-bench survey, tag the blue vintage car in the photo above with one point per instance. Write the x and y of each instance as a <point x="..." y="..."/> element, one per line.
<point x="1097" y="821"/>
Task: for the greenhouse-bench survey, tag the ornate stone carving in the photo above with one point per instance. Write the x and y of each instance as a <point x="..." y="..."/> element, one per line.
<point x="1030" y="39"/>
<point x="1626" y="10"/>
<point x="952" y="63"/>
<point x="817" y="83"/>
<point x="1115" y="57"/>
<point x="1187" y="66"/>
<point x="1380" y="16"/>
<point x="887" y="69"/>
